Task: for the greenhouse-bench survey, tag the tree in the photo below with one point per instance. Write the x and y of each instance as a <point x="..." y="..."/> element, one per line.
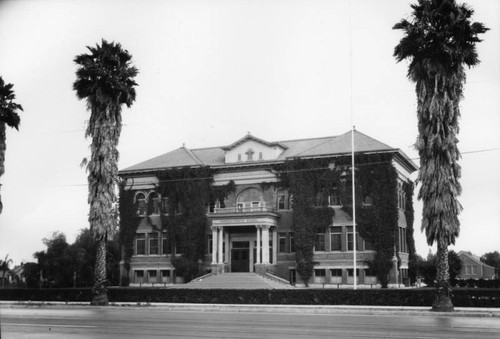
<point x="8" y="116"/>
<point x="105" y="80"/>
<point x="428" y="268"/>
<point x="4" y="265"/>
<point x="492" y="259"/>
<point x="54" y="262"/>
<point x="439" y="41"/>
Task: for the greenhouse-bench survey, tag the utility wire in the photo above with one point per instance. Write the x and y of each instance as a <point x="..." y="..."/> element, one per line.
<point x="300" y="170"/>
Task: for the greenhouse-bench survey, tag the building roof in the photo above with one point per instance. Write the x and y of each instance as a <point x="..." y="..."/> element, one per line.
<point x="303" y="148"/>
<point x="473" y="258"/>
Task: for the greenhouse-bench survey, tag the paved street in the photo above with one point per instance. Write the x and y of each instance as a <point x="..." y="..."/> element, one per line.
<point x="150" y="322"/>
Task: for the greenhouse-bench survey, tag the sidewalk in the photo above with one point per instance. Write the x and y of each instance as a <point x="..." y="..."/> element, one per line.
<point x="303" y="309"/>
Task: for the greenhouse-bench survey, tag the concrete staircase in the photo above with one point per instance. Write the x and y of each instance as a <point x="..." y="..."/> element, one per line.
<point x="249" y="281"/>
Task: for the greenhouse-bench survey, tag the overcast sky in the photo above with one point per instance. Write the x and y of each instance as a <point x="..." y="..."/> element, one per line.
<point x="210" y="71"/>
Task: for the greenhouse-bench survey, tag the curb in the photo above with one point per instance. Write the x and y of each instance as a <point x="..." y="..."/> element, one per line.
<point x="291" y="309"/>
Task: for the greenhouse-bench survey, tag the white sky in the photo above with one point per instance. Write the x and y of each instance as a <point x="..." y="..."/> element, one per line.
<point x="209" y="72"/>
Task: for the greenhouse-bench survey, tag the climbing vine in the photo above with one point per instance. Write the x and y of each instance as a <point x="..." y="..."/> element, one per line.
<point x="129" y="222"/>
<point x="189" y="192"/>
<point x="312" y="181"/>
<point x="410" y="218"/>
<point x="378" y="222"/>
<point x="304" y="179"/>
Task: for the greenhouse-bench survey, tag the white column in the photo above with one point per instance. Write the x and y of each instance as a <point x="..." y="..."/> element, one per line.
<point x="265" y="244"/>
<point x="220" y="260"/>
<point x="226" y="255"/>
<point x="258" y="244"/>
<point x="214" y="245"/>
<point x="275" y="245"/>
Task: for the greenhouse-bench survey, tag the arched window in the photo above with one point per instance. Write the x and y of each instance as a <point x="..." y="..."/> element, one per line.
<point x="140" y="200"/>
<point x="154" y="203"/>
<point x="250" y="198"/>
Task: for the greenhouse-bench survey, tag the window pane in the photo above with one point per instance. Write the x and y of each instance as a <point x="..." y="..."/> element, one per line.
<point x="164" y="244"/>
<point x="336" y="242"/>
<point x="281" y="202"/>
<point x="292" y="243"/>
<point x="282" y="242"/>
<point x="140" y="244"/>
<point x="319" y="244"/>
<point x="153" y="243"/>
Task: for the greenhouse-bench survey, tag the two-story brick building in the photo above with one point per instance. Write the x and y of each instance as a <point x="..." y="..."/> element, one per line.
<point x="251" y="229"/>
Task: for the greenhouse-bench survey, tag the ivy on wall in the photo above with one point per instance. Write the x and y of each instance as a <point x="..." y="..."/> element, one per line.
<point x="304" y="179"/>
<point x="312" y="181"/>
<point x="189" y="192"/>
<point x="410" y="218"/>
<point x="129" y="222"/>
<point x="378" y="222"/>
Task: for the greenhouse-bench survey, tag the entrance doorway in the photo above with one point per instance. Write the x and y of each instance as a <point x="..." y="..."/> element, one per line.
<point x="240" y="256"/>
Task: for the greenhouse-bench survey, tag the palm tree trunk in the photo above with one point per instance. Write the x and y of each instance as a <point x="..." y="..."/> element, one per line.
<point x="443" y="290"/>
<point x="99" y="292"/>
<point x="2" y="156"/>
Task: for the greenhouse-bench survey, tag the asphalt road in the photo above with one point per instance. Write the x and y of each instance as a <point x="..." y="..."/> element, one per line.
<point x="150" y="322"/>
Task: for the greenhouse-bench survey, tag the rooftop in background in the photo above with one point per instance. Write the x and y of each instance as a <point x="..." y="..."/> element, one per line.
<point x="302" y="148"/>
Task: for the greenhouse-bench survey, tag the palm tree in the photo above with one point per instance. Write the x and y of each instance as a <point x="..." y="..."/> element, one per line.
<point x="439" y="41"/>
<point x="8" y="116"/>
<point x="4" y="265"/>
<point x="105" y="80"/>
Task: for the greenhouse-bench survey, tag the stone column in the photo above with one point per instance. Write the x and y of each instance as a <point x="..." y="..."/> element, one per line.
<point x="226" y="254"/>
<point x="214" y="245"/>
<point x="258" y="244"/>
<point x="275" y="245"/>
<point x="265" y="244"/>
<point x="220" y="259"/>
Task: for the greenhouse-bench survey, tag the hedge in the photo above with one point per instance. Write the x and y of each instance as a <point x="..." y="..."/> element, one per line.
<point x="380" y="297"/>
<point x="476" y="283"/>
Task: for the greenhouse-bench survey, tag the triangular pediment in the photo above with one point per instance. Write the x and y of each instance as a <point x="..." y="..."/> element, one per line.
<point x="250" y="148"/>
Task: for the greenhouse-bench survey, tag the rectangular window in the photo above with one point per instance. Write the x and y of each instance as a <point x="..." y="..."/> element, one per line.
<point x="350" y="240"/>
<point x="336" y="239"/>
<point x="281" y="202"/>
<point x="336" y="272"/>
<point x="282" y="242"/>
<point x="474" y="269"/>
<point x="153" y="243"/>
<point x="155" y="204"/>
<point x="334" y="198"/>
<point x="140" y="244"/>
<point x="319" y="243"/>
<point x="139" y="276"/>
<point x="292" y="243"/>
<point x="164" y="205"/>
<point x="350" y="272"/>
<point x="209" y="244"/>
<point x="165" y="248"/>
<point x="319" y="272"/>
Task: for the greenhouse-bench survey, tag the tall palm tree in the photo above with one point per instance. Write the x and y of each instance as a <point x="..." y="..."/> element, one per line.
<point x="439" y="41"/>
<point x="105" y="80"/>
<point x="4" y="265"/>
<point x="8" y="116"/>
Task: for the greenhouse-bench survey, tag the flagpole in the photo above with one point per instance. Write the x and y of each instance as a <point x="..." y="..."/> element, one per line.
<point x="353" y="208"/>
<point x="352" y="153"/>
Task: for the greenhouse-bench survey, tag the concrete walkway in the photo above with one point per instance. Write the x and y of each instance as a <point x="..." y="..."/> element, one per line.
<point x="247" y="281"/>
